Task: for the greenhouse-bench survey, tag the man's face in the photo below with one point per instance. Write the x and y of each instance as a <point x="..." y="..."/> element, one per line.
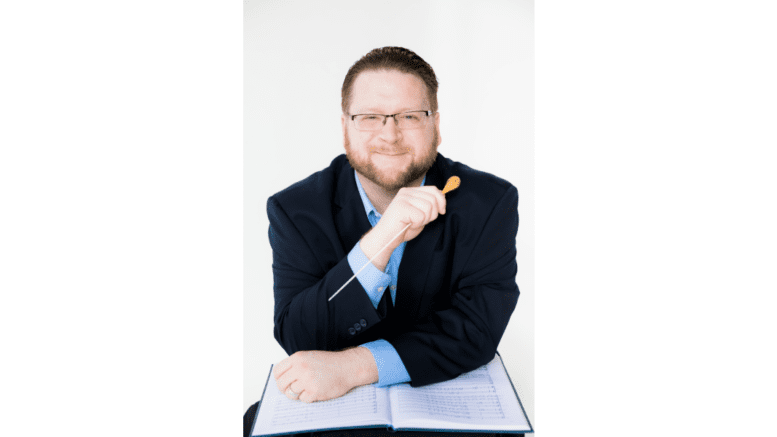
<point x="390" y="157"/>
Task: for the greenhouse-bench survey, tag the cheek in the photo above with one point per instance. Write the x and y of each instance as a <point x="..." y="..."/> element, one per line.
<point x="420" y="141"/>
<point x="363" y="142"/>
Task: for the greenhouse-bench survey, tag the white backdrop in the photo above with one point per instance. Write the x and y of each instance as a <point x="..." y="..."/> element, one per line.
<point x="121" y="238"/>
<point x="296" y="56"/>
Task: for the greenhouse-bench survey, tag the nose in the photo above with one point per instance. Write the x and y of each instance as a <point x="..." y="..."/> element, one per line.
<point x="390" y="132"/>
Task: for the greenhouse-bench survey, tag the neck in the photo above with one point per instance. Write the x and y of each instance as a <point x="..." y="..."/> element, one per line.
<point x="379" y="196"/>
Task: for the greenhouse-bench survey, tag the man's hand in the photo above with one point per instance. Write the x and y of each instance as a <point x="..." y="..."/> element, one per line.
<point x="417" y="206"/>
<point x="312" y="376"/>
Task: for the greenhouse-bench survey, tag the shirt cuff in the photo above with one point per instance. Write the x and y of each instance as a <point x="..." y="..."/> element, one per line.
<point x="391" y="370"/>
<point x="373" y="280"/>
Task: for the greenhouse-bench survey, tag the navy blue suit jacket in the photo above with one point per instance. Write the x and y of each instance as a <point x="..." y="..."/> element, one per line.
<point x="456" y="284"/>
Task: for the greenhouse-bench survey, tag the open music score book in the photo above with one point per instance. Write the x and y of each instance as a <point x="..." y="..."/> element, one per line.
<point x="483" y="400"/>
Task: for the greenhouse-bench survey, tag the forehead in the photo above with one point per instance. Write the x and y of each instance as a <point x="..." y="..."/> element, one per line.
<point x="388" y="91"/>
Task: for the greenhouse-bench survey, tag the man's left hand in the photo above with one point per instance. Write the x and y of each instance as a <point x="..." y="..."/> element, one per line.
<point x="312" y="376"/>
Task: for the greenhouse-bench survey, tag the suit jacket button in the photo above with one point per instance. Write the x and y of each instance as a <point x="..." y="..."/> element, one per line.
<point x="357" y="327"/>
<point x="363" y="323"/>
<point x="351" y="331"/>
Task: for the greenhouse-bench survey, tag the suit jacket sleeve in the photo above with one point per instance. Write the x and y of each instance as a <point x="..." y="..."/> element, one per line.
<point x="303" y="283"/>
<point x="464" y="335"/>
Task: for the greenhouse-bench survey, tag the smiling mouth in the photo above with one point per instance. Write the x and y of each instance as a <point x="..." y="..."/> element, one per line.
<point x="396" y="153"/>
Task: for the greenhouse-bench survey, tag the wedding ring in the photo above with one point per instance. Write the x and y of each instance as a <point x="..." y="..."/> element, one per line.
<point x="292" y="393"/>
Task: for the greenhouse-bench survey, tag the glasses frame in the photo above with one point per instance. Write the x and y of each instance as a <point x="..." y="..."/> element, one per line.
<point x="387" y="116"/>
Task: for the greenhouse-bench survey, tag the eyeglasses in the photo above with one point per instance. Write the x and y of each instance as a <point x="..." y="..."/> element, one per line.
<point x="404" y="120"/>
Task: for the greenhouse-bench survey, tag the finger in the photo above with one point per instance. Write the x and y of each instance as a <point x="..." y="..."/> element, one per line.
<point x="428" y="204"/>
<point x="434" y="196"/>
<point x="297" y="390"/>
<point x="285" y="381"/>
<point x="438" y="196"/>
<point x="281" y="368"/>
<point x="411" y="206"/>
<point x="297" y="387"/>
<point x="294" y="390"/>
<point x="421" y="200"/>
<point x="429" y="208"/>
<point x="306" y="397"/>
<point x="413" y="216"/>
<point x="291" y="395"/>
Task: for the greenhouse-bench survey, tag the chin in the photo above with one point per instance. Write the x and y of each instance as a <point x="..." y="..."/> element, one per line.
<point x="394" y="179"/>
<point x="393" y="184"/>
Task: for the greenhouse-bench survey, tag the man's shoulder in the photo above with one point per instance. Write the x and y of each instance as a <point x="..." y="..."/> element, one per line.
<point x="316" y="189"/>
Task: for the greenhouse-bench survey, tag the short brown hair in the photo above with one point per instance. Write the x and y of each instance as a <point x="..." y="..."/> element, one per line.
<point x="392" y="58"/>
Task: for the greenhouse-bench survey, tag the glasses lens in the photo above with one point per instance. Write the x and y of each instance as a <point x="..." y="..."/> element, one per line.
<point x="406" y="120"/>
<point x="411" y="120"/>
<point x="368" y="122"/>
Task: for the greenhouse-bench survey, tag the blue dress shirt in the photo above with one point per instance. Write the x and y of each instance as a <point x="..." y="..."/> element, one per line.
<point x="391" y="370"/>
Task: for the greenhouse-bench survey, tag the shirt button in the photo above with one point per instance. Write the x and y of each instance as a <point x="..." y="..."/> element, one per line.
<point x="363" y="323"/>
<point x="351" y="331"/>
<point x="393" y="287"/>
<point x="357" y="327"/>
<point x="380" y="288"/>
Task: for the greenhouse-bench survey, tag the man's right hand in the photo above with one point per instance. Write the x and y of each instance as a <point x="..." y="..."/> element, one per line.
<point x="416" y="206"/>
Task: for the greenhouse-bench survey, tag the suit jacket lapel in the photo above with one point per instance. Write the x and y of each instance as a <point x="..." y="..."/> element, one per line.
<point x="350" y="220"/>
<point x="414" y="268"/>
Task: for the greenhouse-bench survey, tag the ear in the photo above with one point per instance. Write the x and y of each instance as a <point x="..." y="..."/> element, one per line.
<point x="437" y="127"/>
<point x="344" y="124"/>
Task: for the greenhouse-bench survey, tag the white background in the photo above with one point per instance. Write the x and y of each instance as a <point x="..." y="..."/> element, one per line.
<point x="121" y="207"/>
<point x="297" y="55"/>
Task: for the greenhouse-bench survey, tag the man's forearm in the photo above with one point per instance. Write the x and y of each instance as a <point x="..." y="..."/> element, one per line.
<point x="365" y="370"/>
<point x="374" y="241"/>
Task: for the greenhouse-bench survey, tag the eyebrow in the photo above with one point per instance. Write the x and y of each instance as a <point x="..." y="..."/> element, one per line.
<point x="376" y="111"/>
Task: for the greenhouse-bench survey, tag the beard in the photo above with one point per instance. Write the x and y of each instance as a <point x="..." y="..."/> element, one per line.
<point x="395" y="180"/>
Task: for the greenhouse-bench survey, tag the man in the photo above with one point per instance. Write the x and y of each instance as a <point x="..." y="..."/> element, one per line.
<point x="435" y="274"/>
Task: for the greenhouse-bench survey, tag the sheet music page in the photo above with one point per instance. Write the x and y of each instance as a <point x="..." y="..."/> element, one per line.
<point x="362" y="406"/>
<point x="479" y="400"/>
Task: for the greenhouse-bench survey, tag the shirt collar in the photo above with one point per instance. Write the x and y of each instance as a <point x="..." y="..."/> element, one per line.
<point x="368" y="208"/>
